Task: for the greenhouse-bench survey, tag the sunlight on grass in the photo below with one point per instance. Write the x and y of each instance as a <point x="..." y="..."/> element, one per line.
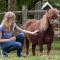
<point x="55" y="55"/>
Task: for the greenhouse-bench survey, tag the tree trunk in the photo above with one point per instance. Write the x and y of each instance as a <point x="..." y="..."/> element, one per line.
<point x="12" y="5"/>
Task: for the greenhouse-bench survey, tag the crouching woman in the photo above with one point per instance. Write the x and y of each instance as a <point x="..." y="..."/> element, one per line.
<point x="8" y="41"/>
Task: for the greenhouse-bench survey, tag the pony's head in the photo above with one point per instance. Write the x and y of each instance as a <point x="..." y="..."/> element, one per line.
<point x="52" y="14"/>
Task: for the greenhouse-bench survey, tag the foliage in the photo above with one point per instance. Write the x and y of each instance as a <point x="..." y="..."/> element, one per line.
<point x="55" y="3"/>
<point x="3" y="5"/>
<point x="29" y="3"/>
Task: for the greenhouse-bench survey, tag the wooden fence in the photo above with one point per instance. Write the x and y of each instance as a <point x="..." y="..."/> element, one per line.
<point x="26" y="12"/>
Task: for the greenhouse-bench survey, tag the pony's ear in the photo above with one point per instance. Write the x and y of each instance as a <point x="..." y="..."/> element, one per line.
<point x="49" y="13"/>
<point x="48" y="9"/>
<point x="55" y="8"/>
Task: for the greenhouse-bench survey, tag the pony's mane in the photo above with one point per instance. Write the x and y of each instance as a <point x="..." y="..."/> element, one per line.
<point x="34" y="24"/>
<point x="42" y="24"/>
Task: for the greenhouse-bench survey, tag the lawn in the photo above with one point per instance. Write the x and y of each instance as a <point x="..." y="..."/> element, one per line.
<point x="54" y="54"/>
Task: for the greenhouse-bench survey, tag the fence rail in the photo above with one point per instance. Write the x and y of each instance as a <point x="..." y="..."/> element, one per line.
<point x="30" y="11"/>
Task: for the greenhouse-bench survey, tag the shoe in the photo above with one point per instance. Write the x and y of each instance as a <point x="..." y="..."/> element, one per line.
<point x="4" y="54"/>
<point x="20" y="55"/>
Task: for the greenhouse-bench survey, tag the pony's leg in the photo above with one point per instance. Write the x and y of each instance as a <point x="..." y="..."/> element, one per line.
<point x="27" y="47"/>
<point x="33" y="49"/>
<point x="49" y="48"/>
<point x="41" y="49"/>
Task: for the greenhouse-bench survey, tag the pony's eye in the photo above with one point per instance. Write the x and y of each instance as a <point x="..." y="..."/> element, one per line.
<point x="54" y="17"/>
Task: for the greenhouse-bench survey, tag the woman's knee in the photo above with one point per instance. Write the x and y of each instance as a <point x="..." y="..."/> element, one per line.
<point x="20" y="38"/>
<point x="18" y="45"/>
<point x="12" y="45"/>
<point x="20" y="35"/>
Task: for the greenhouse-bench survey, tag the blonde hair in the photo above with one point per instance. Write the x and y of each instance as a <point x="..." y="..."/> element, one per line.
<point x="7" y="20"/>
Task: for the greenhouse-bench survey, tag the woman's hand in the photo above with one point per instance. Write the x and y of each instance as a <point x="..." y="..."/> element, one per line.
<point x="34" y="33"/>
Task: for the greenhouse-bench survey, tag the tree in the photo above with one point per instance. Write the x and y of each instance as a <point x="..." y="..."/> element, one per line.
<point x="29" y="3"/>
<point x="12" y="4"/>
<point x="55" y="3"/>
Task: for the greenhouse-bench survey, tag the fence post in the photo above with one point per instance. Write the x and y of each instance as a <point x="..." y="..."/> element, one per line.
<point x="9" y="5"/>
<point x="24" y="13"/>
<point x="37" y="7"/>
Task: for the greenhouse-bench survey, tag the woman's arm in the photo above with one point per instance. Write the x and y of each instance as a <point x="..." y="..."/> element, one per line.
<point x="5" y="40"/>
<point x="13" y="38"/>
<point x="25" y="31"/>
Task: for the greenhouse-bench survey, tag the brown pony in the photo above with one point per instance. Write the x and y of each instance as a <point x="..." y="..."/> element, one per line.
<point x="45" y="31"/>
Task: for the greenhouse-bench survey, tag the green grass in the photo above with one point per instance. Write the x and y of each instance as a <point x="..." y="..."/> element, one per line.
<point x="54" y="55"/>
<point x="56" y="43"/>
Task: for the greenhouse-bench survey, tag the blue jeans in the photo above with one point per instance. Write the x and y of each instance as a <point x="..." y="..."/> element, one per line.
<point x="14" y="45"/>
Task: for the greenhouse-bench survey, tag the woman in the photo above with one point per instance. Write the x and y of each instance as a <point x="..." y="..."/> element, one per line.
<point x="8" y="40"/>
